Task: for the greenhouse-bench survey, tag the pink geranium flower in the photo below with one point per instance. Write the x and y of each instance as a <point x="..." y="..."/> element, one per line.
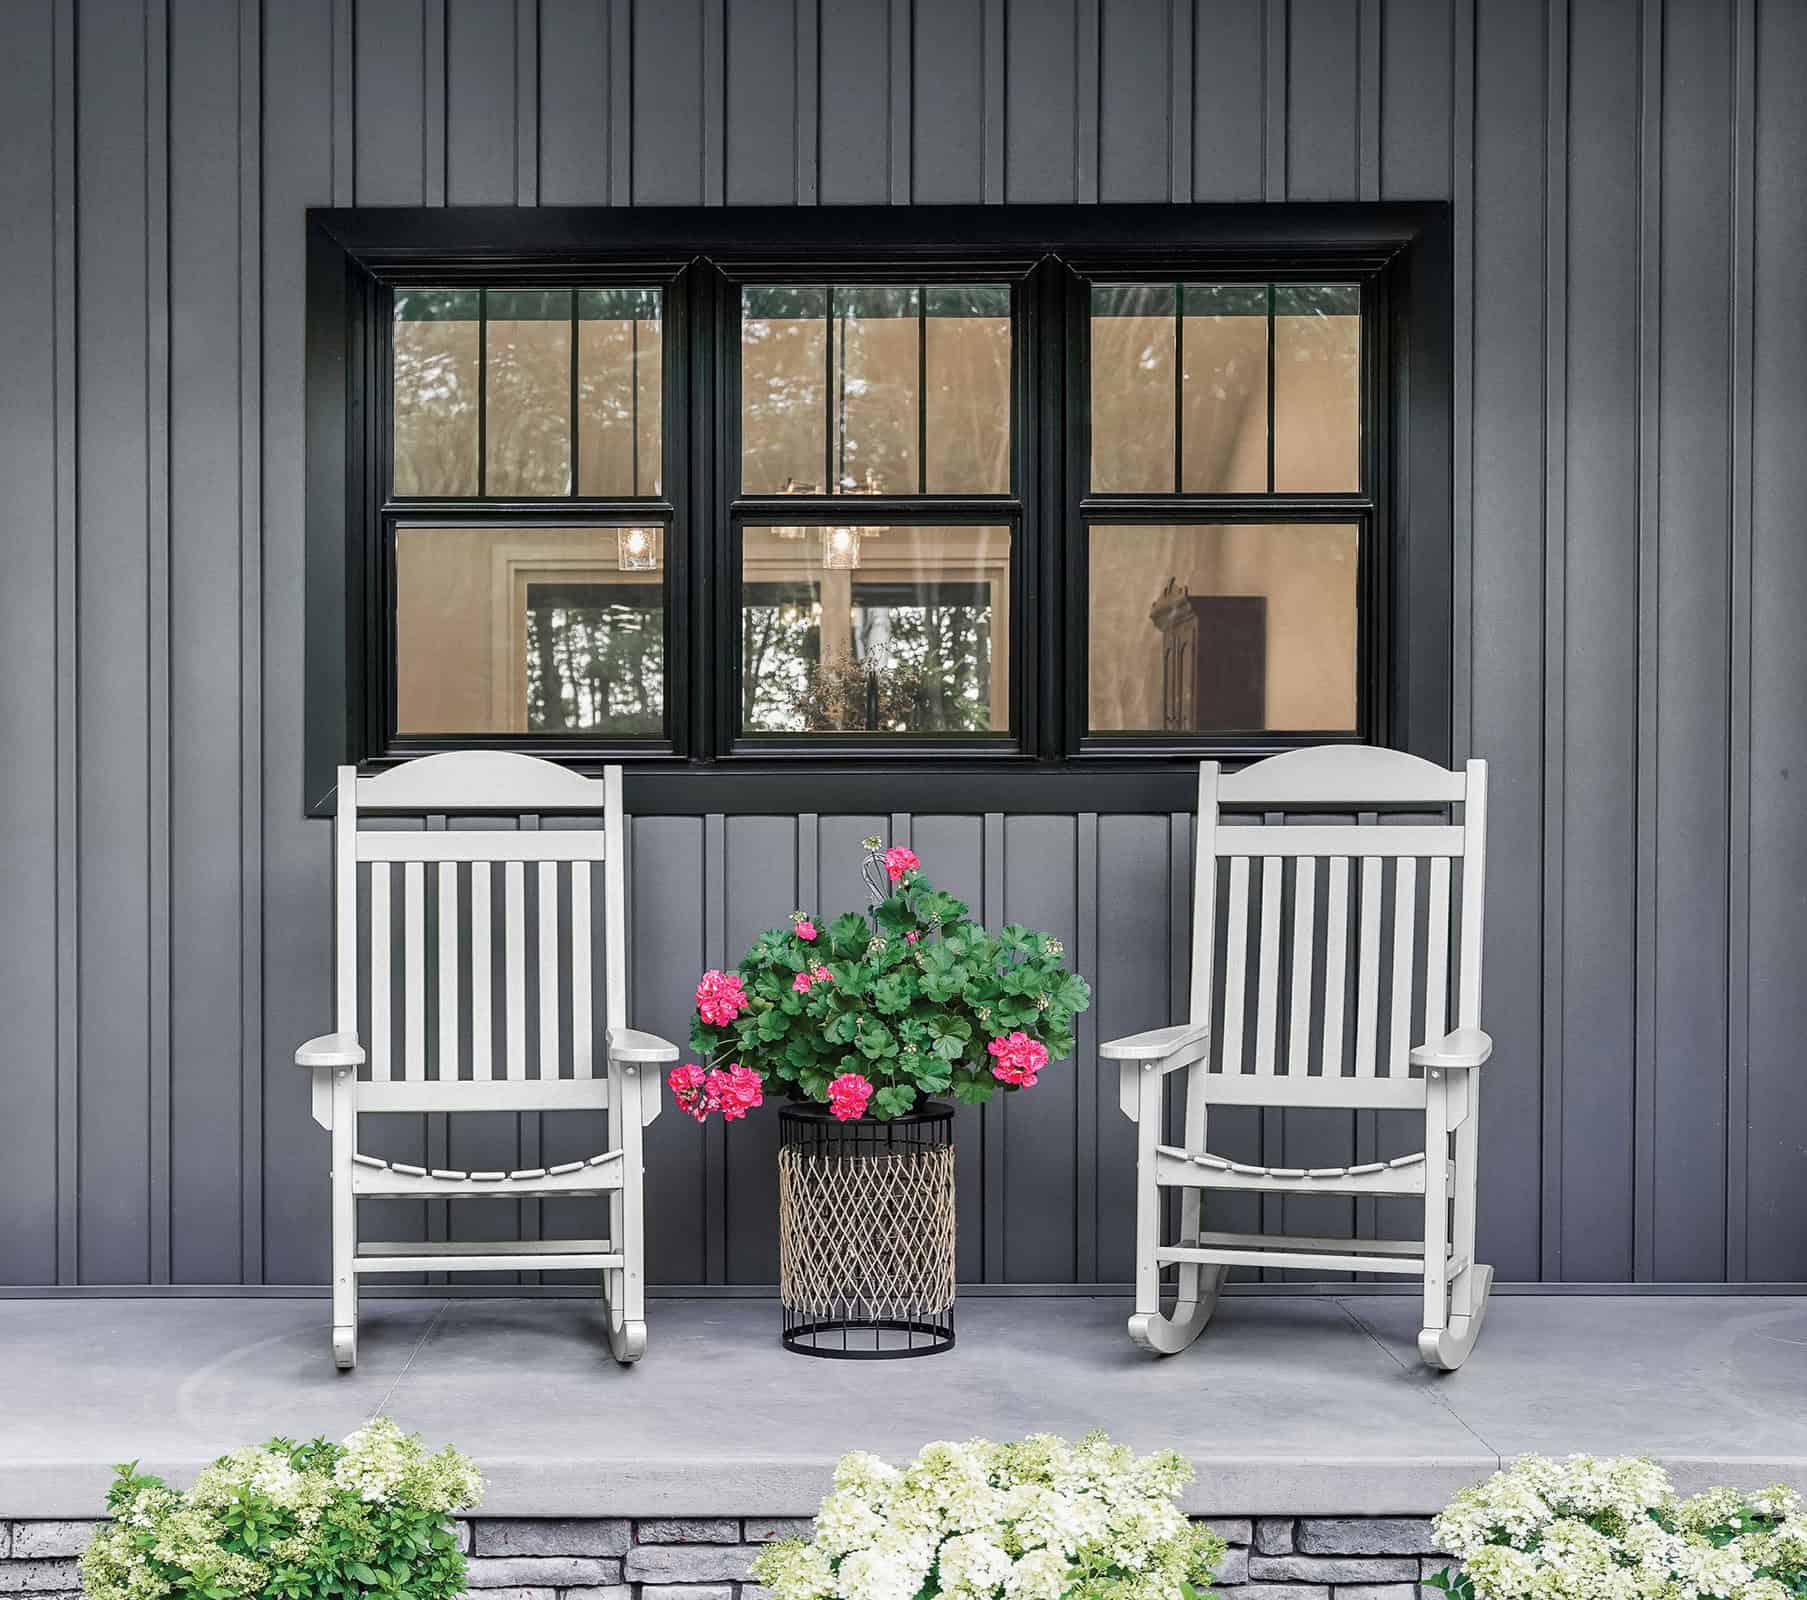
<point x="686" y="1083"/>
<point x="899" y="860"/>
<point x="912" y="936"/>
<point x="848" y="1096"/>
<point x="802" y="983"/>
<point x="806" y="930"/>
<point x="821" y="974"/>
<point x="735" y="1091"/>
<point x="1017" y="1059"/>
<point x="720" y="998"/>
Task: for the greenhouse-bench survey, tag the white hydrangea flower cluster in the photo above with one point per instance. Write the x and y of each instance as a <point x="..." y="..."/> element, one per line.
<point x="984" y="1521"/>
<point x="1613" y="1528"/>
<point x="301" y="1506"/>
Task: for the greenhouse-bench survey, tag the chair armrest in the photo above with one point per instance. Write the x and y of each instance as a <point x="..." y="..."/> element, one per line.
<point x="1466" y="1047"/>
<point x="630" y="1044"/>
<point x="1167" y="1047"/>
<point x="331" y="1050"/>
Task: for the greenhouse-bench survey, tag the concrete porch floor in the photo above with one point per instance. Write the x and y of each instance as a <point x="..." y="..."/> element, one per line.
<point x="1288" y="1405"/>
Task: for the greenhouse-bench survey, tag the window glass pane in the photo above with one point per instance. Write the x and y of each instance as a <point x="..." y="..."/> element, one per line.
<point x="1223" y="628"/>
<point x="527" y="413"/>
<point x="875" y="629"/>
<point x="875" y="389"/>
<point x="1223" y="388"/>
<point x="783" y="389"/>
<point x="435" y="377"/>
<point x="967" y="362"/>
<point x="529" y="630"/>
<point x="1317" y="388"/>
<point x="1133" y="402"/>
<point x="620" y="388"/>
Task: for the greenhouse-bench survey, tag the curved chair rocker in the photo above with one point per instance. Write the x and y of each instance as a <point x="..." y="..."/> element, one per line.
<point x="451" y="1017"/>
<point x="1303" y="1052"/>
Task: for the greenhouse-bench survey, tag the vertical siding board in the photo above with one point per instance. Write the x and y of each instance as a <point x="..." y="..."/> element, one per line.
<point x="298" y="167"/>
<point x="855" y="86"/>
<point x="29" y="110"/>
<point x="1508" y="590"/>
<point x="389" y="100"/>
<point x="1417" y="106"/>
<point x="667" y="117"/>
<point x="1039" y="1194"/>
<point x="952" y="850"/>
<point x="761" y="889"/>
<point x="761" y="102"/>
<point x="113" y="622"/>
<point x="1776" y="1243"/>
<point x="1228" y="100"/>
<point x="481" y="103"/>
<point x="1598" y="749"/>
<point x="574" y="103"/>
<point x="1135" y="99"/>
<point x="1323" y="110"/>
<point x="947" y="132"/>
<point x="205" y="760"/>
<point x="1693" y="500"/>
<point x="1041" y="102"/>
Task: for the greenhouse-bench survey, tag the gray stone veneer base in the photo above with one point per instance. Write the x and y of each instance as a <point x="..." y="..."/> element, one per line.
<point x="709" y="1558"/>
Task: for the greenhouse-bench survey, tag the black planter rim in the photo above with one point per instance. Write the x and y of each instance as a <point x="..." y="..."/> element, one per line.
<point x="810" y="1114"/>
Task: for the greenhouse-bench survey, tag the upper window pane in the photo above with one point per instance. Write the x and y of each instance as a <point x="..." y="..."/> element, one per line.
<point x="1181" y="398"/>
<point x="560" y="378"/>
<point x="508" y="629"/>
<point x="868" y="629"/>
<point x="1238" y="628"/>
<point x="620" y="392"/>
<point x="1317" y="387"/>
<point x="436" y="354"/>
<point x="875" y="389"/>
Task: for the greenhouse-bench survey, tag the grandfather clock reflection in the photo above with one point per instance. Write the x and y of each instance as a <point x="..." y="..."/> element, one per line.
<point x="1213" y="660"/>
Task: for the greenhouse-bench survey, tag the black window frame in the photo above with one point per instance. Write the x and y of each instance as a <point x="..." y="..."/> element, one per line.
<point x="1399" y="253"/>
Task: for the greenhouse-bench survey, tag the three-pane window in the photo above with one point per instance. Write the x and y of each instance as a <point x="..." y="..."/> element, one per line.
<point x="863" y="473"/>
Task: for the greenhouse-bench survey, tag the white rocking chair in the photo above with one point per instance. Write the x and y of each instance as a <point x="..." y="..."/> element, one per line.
<point x="1303" y="1053"/>
<point x="447" y="985"/>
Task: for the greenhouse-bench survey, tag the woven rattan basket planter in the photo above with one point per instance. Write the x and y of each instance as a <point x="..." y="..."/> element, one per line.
<point x="866" y="1233"/>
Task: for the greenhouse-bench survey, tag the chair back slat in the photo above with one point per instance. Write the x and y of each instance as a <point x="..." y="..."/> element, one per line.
<point x="445" y="910"/>
<point x="483" y="974"/>
<point x="1235" y="965"/>
<point x="1405" y="927"/>
<point x="414" y="972"/>
<point x="1336" y="959"/>
<point x="382" y="1033"/>
<point x="1367" y="1001"/>
<point x="549" y="970"/>
<point x="1436" y="952"/>
<point x="1267" y="993"/>
<point x="1306" y="950"/>
<point x="514" y="956"/>
<point x="581" y="1040"/>
<point x="456" y="962"/>
<point x="1298" y="1038"/>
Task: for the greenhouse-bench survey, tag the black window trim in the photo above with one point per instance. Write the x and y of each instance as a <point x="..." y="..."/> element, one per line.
<point x="1400" y="253"/>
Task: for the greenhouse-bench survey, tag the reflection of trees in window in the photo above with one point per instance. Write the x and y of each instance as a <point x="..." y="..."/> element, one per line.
<point x="920" y="660"/>
<point x="595" y="658"/>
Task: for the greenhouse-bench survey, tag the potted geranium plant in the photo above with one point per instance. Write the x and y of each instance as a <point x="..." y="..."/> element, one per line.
<point x="869" y="1025"/>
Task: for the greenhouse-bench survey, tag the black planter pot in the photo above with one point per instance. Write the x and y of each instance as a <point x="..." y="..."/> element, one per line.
<point x="866" y="1233"/>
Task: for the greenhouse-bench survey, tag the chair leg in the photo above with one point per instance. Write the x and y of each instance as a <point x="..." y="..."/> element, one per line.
<point x="345" y="1229"/>
<point x="625" y="1291"/>
<point x="1165" y="1333"/>
<point x="1447" y="1348"/>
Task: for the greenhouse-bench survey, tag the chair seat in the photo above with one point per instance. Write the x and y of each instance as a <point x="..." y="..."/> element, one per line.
<point x="373" y="1176"/>
<point x="1178" y="1168"/>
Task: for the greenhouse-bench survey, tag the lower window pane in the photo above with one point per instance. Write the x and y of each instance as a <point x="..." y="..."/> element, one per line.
<point x="866" y="629"/>
<point x="1246" y="628"/>
<point x="530" y="630"/>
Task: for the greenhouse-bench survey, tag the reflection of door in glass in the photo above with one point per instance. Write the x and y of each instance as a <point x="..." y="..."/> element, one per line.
<point x="1213" y="661"/>
<point x="595" y="658"/>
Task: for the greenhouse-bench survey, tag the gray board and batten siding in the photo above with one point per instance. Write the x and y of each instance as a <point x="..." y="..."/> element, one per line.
<point x="1629" y="575"/>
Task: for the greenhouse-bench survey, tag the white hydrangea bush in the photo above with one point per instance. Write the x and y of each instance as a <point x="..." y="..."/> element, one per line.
<point x="1038" y="1520"/>
<point x="1592" y="1528"/>
<point x="371" y="1515"/>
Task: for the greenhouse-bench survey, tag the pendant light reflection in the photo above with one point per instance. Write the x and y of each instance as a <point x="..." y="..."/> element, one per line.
<point x="840" y="549"/>
<point x="639" y="549"/>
